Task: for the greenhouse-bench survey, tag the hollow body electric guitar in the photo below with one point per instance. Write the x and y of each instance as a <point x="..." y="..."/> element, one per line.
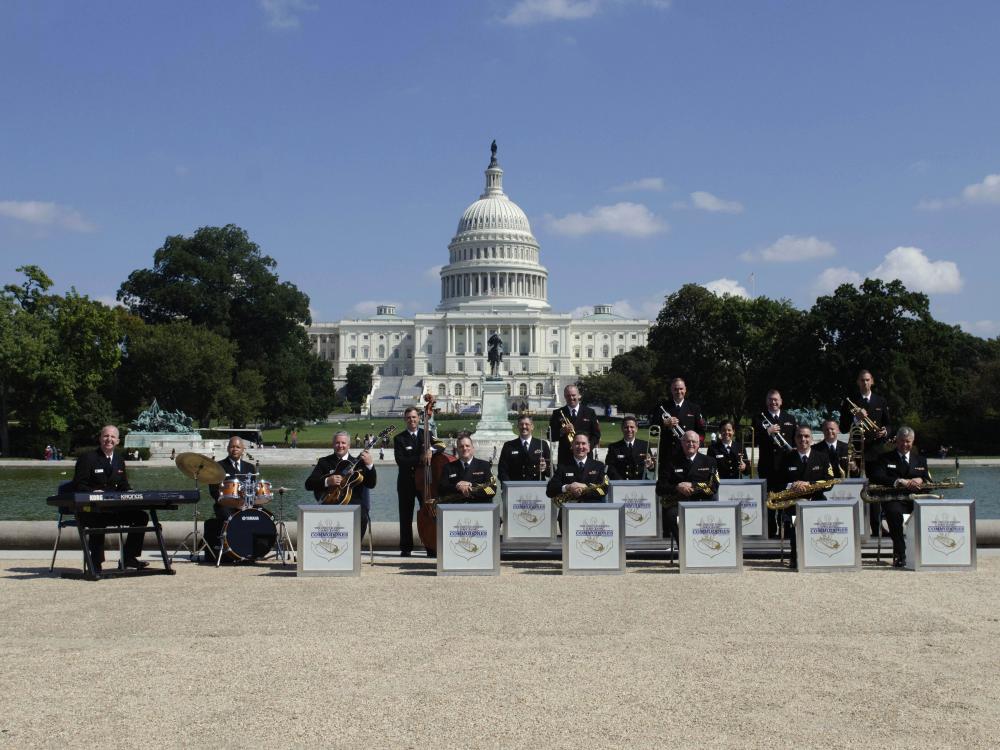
<point x="342" y="494"/>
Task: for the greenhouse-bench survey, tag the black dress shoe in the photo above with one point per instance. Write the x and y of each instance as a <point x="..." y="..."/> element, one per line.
<point x="404" y="553"/>
<point x="899" y="562"/>
<point x="137" y="564"/>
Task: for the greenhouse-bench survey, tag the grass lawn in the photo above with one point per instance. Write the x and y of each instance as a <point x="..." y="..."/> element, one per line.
<point x="321" y="435"/>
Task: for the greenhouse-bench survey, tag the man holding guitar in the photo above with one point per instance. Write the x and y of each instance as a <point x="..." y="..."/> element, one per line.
<point x="338" y="478"/>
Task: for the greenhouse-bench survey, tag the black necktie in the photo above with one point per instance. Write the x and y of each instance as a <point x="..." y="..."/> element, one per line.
<point x="572" y="413"/>
<point x="579" y="464"/>
<point x="525" y="444"/>
<point x="805" y="460"/>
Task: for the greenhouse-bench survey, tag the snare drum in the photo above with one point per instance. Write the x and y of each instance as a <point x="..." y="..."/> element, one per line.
<point x="231" y="493"/>
<point x="248" y="534"/>
<point x="263" y="494"/>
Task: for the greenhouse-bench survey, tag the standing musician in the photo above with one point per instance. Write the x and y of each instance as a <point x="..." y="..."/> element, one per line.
<point x="583" y="478"/>
<point x="524" y="458"/>
<point x="729" y="455"/>
<point x="407" y="447"/>
<point x="629" y="458"/>
<point x="682" y="415"/>
<point x="688" y="476"/>
<point x="835" y="449"/>
<point x="469" y="477"/>
<point x="770" y="447"/>
<point x="103" y="470"/>
<point x="583" y="419"/>
<point x="875" y="408"/>
<point x="800" y="468"/>
<point x="332" y="471"/>
<point x="234" y="465"/>
<point x="906" y="469"/>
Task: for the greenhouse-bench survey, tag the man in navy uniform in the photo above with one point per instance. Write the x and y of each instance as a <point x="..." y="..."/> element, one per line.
<point x="835" y="448"/>
<point x="525" y="458"/>
<point x="583" y="478"/>
<point x="583" y="419"/>
<point x="469" y="478"/>
<point x="799" y="469"/>
<point x="906" y="470"/>
<point x="689" y="476"/>
<point x="629" y="458"/>
<point x="407" y="448"/>
<point x="234" y="465"/>
<point x="682" y="415"/>
<point x="875" y="408"/>
<point x="332" y="471"/>
<point x="771" y="446"/>
<point x="100" y="471"/>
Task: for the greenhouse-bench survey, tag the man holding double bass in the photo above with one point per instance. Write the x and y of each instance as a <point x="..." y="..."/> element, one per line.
<point x="407" y="448"/>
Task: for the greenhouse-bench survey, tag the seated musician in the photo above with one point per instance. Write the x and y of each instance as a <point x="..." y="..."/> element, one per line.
<point x="331" y="472"/>
<point x="104" y="470"/>
<point x="583" y="479"/>
<point x="629" y="458"/>
<point x="467" y="480"/>
<point x="906" y="470"/>
<point x="689" y="476"/>
<point x="799" y="469"/>
<point x="525" y="458"/>
<point x="730" y="457"/>
<point x="234" y="465"/>
<point x="835" y="448"/>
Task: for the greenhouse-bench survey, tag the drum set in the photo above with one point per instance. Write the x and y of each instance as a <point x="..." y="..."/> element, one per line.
<point x="251" y="532"/>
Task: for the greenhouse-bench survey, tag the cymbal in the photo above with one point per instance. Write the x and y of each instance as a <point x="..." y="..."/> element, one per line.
<point x="200" y="468"/>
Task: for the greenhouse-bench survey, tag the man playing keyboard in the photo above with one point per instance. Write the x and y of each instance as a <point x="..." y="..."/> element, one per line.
<point x="104" y="470"/>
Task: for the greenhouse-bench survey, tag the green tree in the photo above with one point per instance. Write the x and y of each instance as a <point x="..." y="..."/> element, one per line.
<point x="359" y="382"/>
<point x="183" y="366"/>
<point x="57" y="355"/>
<point x="218" y="279"/>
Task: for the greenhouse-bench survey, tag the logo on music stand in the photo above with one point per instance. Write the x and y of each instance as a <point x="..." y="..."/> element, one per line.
<point x="947" y="534"/>
<point x="329" y="539"/>
<point x="527" y="512"/>
<point x="594" y="538"/>
<point x="468" y="538"/>
<point x="711" y="536"/>
<point x="638" y="511"/>
<point x="829" y="536"/>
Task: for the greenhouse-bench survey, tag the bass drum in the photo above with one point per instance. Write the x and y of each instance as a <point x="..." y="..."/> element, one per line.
<point x="248" y="535"/>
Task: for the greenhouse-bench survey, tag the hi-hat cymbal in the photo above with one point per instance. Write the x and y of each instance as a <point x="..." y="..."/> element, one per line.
<point x="200" y="468"/>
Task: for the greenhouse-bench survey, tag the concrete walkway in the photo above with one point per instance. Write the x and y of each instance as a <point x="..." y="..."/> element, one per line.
<point x="255" y="657"/>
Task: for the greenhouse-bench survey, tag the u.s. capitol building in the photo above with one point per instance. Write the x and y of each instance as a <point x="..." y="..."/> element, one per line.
<point x="494" y="281"/>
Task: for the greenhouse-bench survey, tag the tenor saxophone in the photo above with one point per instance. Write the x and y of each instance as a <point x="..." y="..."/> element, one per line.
<point x="786" y="498"/>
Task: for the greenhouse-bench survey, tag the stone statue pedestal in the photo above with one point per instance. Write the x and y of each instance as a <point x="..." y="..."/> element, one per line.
<point x="161" y="444"/>
<point x="494" y="428"/>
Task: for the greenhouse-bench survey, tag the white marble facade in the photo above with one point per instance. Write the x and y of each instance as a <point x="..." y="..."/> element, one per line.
<point x="493" y="281"/>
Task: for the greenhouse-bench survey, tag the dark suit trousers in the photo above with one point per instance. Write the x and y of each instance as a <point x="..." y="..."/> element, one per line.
<point x="407" y="494"/>
<point x="122" y="517"/>
<point x="893" y="513"/>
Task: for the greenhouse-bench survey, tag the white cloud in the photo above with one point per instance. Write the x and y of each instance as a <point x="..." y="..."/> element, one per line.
<point x="108" y="299"/>
<point x="707" y="202"/>
<point x="284" y="14"/>
<point x="909" y="265"/>
<point x="627" y="219"/>
<point x="646" y="183"/>
<point x="791" y="249"/>
<point x="45" y="213"/>
<point x="831" y="278"/>
<point x="985" y="192"/>
<point x="918" y="273"/>
<point x="986" y="329"/>
<point x="722" y="287"/>
<point x="527" y="12"/>
<point x="433" y="273"/>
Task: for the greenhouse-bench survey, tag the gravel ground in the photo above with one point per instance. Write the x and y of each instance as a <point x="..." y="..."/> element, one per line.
<point x="253" y="656"/>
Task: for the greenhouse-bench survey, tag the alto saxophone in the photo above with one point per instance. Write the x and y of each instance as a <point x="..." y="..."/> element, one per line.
<point x="785" y="499"/>
<point x="568" y="497"/>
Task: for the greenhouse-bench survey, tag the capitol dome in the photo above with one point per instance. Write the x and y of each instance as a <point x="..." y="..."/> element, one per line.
<point x="494" y="257"/>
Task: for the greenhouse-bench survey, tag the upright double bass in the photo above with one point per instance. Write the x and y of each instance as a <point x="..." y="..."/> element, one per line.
<point x="426" y="480"/>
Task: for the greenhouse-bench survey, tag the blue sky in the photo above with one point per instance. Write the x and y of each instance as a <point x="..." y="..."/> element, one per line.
<point x="650" y="143"/>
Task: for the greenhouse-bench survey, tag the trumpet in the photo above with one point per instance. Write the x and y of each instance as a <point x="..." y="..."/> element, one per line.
<point x="568" y="426"/>
<point x="676" y="429"/>
<point x="777" y="437"/>
<point x="869" y="424"/>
